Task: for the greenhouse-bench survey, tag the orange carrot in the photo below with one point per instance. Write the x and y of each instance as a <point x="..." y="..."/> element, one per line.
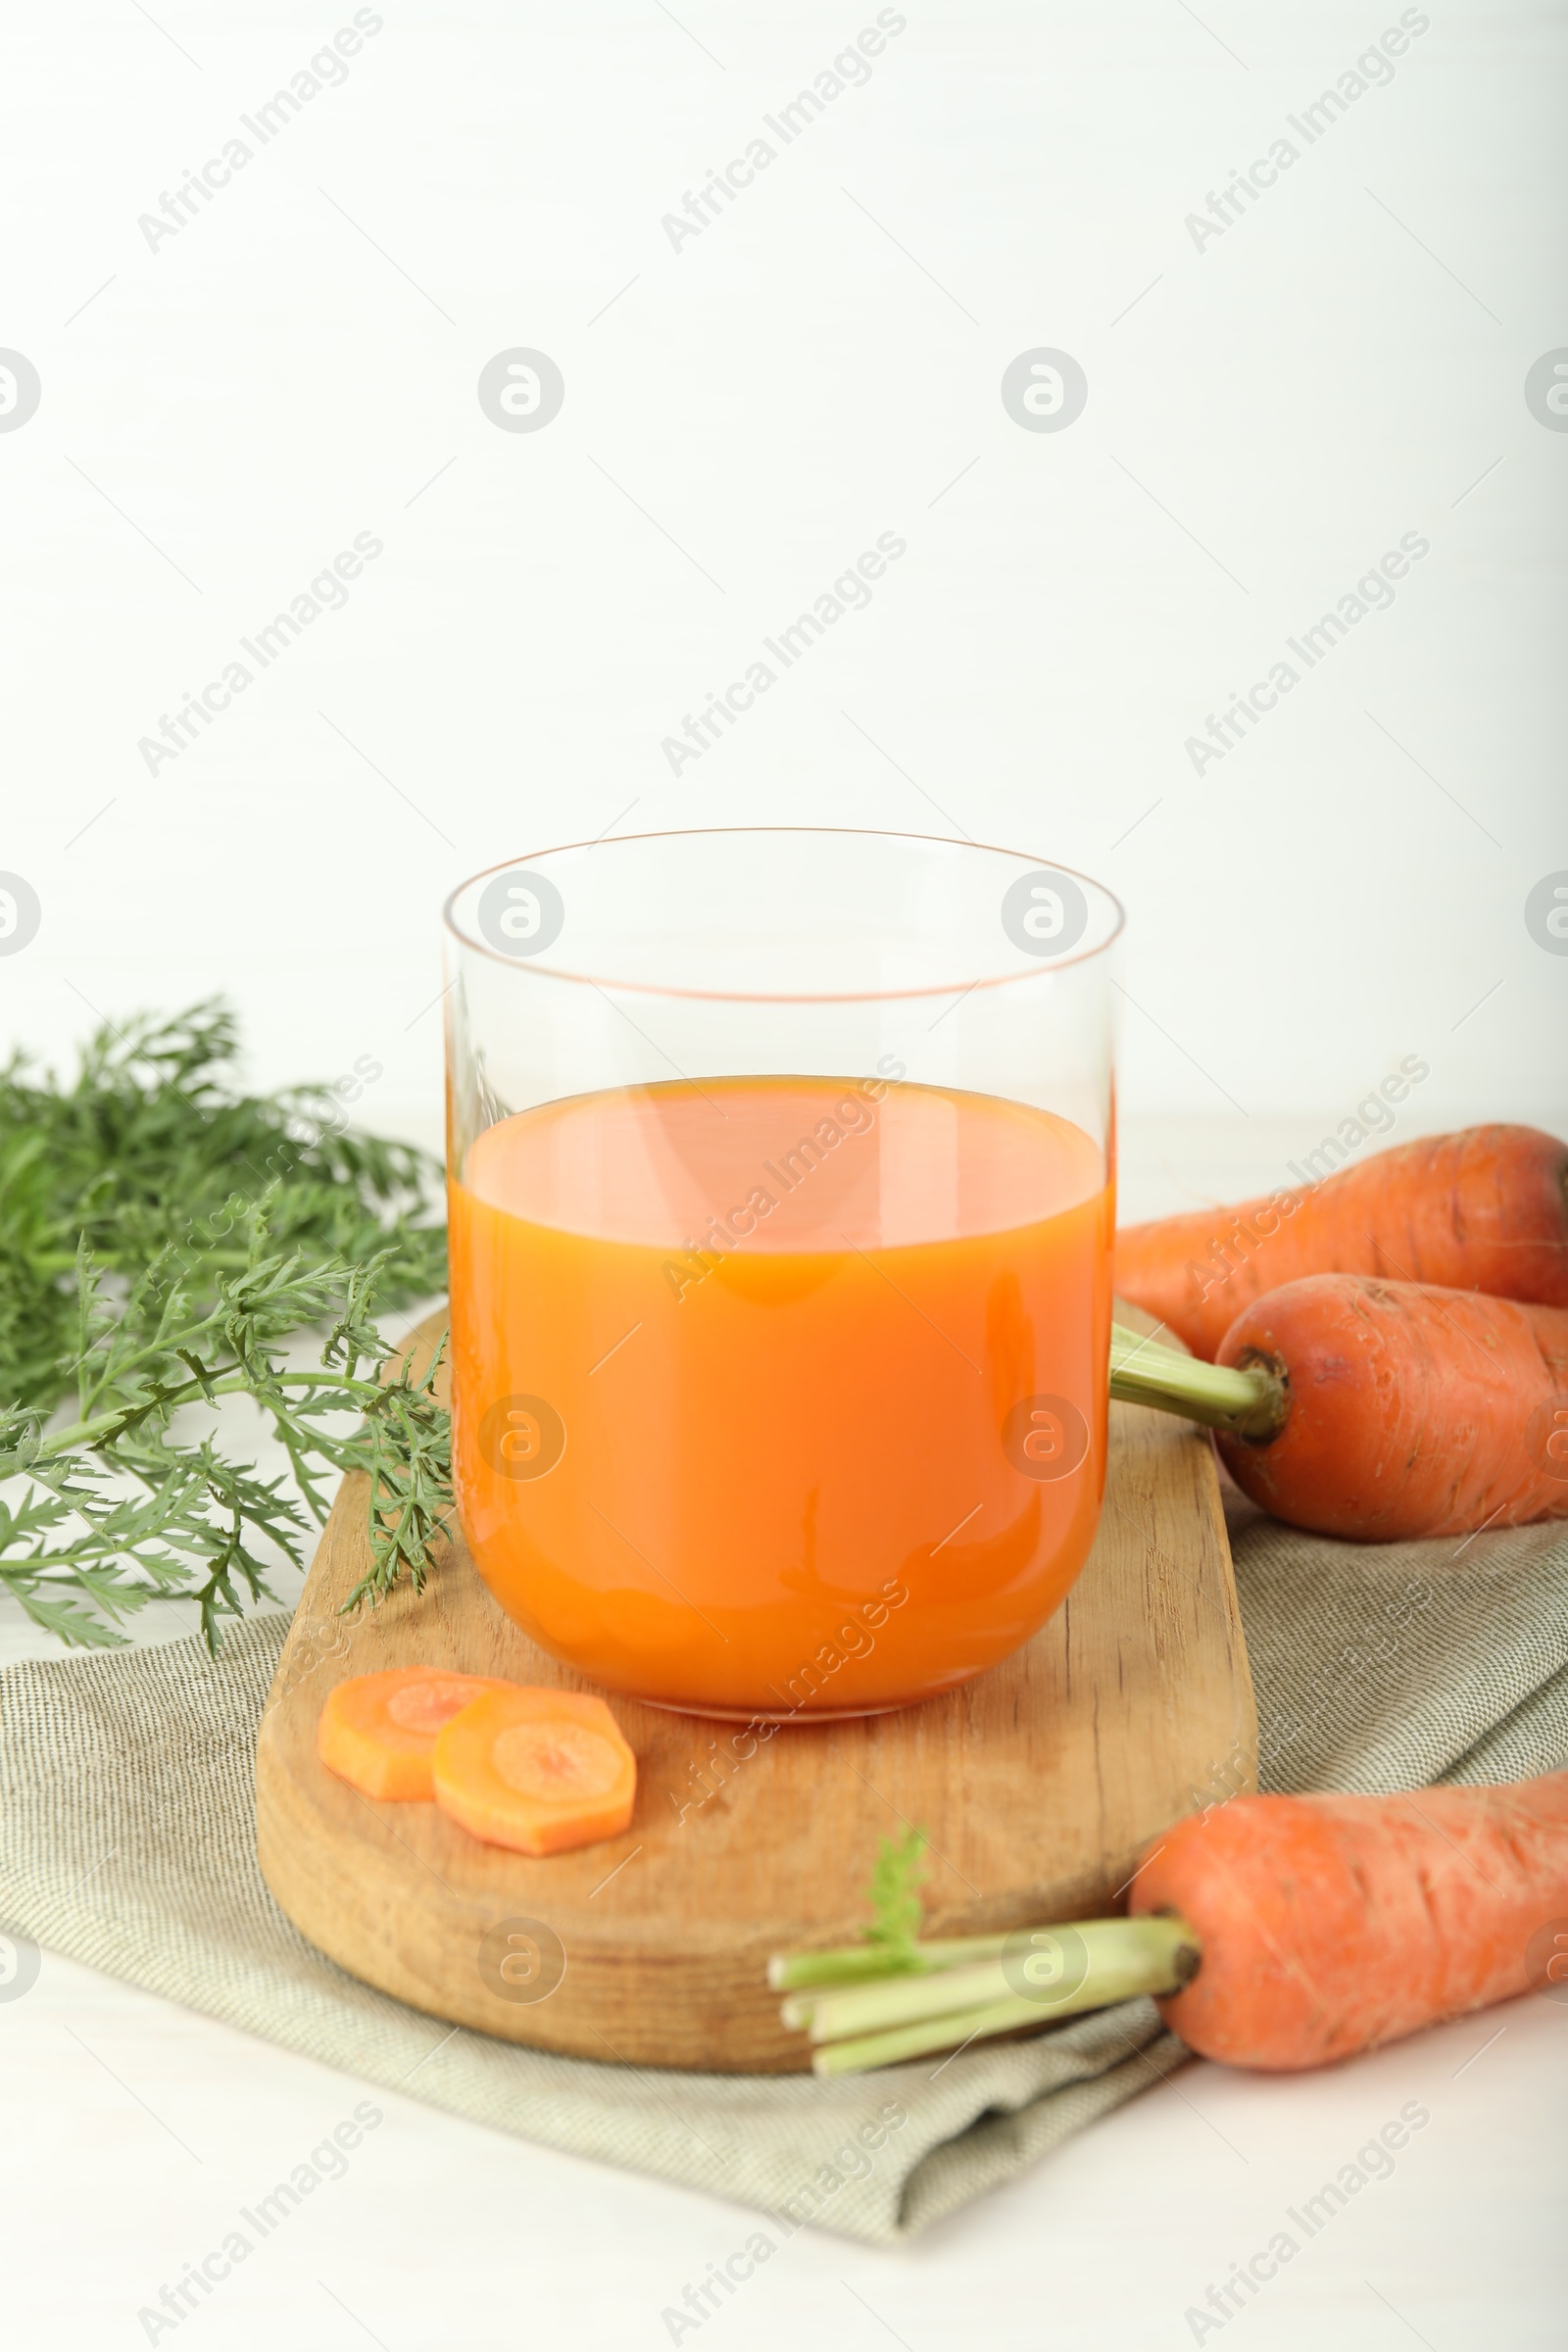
<point x="378" y="1731"/>
<point x="1486" y="1210"/>
<point x="536" y="1770"/>
<point x="1405" y="1410"/>
<point x="1328" y="1925"/>
<point x="1275" y="1931"/>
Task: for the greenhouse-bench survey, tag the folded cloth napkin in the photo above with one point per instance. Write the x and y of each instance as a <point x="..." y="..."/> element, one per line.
<point x="128" y="1842"/>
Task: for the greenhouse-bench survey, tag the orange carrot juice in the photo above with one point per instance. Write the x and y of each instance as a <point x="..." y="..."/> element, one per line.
<point x="784" y="1396"/>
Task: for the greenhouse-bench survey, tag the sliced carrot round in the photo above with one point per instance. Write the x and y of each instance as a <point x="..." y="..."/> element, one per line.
<point x="378" y="1731"/>
<point x="540" y="1770"/>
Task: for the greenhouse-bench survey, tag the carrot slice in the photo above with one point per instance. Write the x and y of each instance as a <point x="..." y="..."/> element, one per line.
<point x="536" y="1770"/>
<point x="378" y="1731"/>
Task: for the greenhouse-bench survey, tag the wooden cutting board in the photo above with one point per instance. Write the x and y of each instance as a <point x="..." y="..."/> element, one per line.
<point x="1039" y="1785"/>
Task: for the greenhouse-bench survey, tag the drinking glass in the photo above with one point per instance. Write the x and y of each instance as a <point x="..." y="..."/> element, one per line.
<point x="781" y="1172"/>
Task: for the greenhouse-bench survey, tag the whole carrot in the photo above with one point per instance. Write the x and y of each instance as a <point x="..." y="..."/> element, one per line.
<point x="1275" y="1931"/>
<point x="1328" y="1925"/>
<point x="1403" y="1410"/>
<point x="1486" y="1210"/>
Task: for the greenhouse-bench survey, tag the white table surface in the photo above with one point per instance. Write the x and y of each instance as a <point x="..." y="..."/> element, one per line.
<point x="132" y="2133"/>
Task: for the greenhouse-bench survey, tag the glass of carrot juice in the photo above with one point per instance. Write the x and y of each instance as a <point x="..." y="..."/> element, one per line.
<point x="782" y="1200"/>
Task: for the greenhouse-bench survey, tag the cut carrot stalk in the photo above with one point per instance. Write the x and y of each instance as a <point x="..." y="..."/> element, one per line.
<point x="1250" y="1403"/>
<point x="1411" y="1411"/>
<point x="536" y="1770"/>
<point x="1378" y="1410"/>
<point x="378" y="1731"/>
<point x="1486" y="1210"/>
<point x="1276" y="1932"/>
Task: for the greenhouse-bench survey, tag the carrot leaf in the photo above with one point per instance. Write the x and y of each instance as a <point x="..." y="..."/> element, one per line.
<point x="894" y="1894"/>
<point x="166" y="1239"/>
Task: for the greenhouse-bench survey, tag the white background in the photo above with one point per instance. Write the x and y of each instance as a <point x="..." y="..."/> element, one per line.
<point x="1265" y="417"/>
<point x="443" y="2237"/>
<point x="1297" y="395"/>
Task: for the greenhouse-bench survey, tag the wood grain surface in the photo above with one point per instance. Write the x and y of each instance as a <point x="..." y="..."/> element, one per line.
<point x="1039" y="1785"/>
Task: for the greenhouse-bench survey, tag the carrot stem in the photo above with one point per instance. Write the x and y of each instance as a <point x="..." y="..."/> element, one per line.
<point x="1249" y="1404"/>
<point x="853" y="1962"/>
<point x="916" y="2041"/>
<point x="1037" y="1976"/>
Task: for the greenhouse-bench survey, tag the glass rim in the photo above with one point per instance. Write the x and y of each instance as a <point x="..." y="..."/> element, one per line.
<point x="732" y="996"/>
